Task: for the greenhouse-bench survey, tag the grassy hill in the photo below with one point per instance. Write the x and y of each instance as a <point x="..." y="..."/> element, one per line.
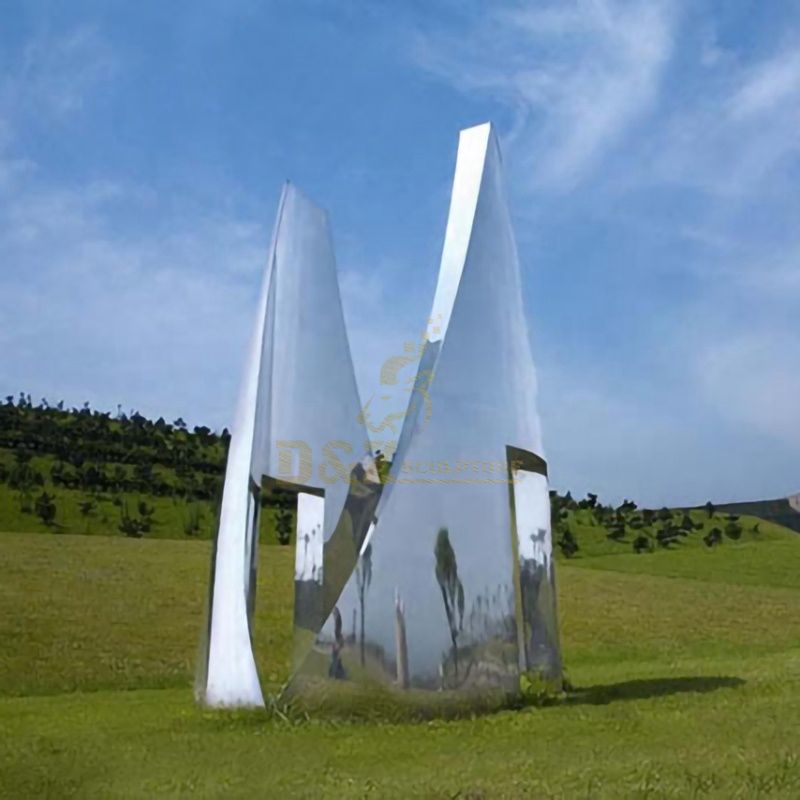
<point x="685" y="663"/>
<point x="84" y="471"/>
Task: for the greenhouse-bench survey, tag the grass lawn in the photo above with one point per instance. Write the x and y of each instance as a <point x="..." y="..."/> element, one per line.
<point x="686" y="667"/>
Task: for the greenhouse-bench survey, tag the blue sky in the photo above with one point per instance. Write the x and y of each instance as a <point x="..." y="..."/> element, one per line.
<point x="652" y="154"/>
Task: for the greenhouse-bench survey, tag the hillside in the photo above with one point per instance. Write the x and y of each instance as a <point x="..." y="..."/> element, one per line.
<point x="679" y="633"/>
<point x="88" y="472"/>
<point x="84" y="471"/>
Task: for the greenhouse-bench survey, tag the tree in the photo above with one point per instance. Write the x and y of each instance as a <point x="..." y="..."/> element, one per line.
<point x="86" y="507"/>
<point x="617" y="529"/>
<point x="668" y="535"/>
<point x="686" y="523"/>
<point x="191" y="525"/>
<point x="733" y="530"/>
<point x="566" y="541"/>
<point x="713" y="537"/>
<point x="45" y="508"/>
<point x="23" y="476"/>
<point x="382" y="466"/>
<point x="283" y="525"/>
<point x="145" y="516"/>
<point x="451" y="588"/>
<point x="127" y="524"/>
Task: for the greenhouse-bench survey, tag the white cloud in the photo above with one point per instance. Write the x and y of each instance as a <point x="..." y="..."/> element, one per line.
<point x="579" y="75"/>
<point x="753" y="378"/>
<point x="595" y="108"/>
<point x="103" y="296"/>
<point x="54" y="75"/>
<point x="735" y="132"/>
<point x="774" y="82"/>
<point x="99" y="311"/>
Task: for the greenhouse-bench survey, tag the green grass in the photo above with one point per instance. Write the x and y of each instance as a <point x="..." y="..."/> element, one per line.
<point x="81" y="612"/>
<point x="771" y="562"/>
<point x="686" y="667"/>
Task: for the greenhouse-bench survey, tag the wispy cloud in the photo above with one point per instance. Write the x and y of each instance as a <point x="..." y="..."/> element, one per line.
<point x="579" y="75"/>
<point x="55" y="74"/>
<point x="774" y="82"/>
<point x="626" y="118"/>
<point x="752" y="377"/>
<point x="95" y="311"/>
<point x="736" y="129"/>
<point x="652" y="156"/>
<point x="103" y="299"/>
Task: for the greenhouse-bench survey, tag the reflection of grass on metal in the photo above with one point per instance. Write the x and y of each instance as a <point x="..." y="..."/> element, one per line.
<point x="481" y="665"/>
<point x="373" y="699"/>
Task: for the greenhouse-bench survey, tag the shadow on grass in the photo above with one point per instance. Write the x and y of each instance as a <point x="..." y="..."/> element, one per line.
<point x="646" y="688"/>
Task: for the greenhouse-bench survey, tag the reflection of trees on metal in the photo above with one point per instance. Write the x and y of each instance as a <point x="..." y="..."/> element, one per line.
<point x="401" y="641"/>
<point x="451" y="588"/>
<point x="363" y="579"/>
<point x="298" y="396"/>
<point x="336" y="669"/>
<point x="476" y="369"/>
<point x="538" y="619"/>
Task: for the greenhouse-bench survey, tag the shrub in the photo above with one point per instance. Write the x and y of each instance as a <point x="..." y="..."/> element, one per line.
<point x="567" y="542"/>
<point x="283" y="525"/>
<point x="191" y="525"/>
<point x="733" y="530"/>
<point x="45" y="508"/>
<point x="713" y="537"/>
<point x="128" y="525"/>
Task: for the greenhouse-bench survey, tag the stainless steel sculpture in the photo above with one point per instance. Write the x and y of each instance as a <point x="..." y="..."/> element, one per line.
<point x="439" y="590"/>
<point x="454" y="589"/>
<point x="297" y="423"/>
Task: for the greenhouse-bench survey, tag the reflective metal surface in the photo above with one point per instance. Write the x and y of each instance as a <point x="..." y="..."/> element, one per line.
<point x="446" y="575"/>
<point x="538" y="621"/>
<point x="297" y="421"/>
<point x="436" y="589"/>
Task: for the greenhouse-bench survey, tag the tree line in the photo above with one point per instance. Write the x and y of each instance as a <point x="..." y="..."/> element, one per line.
<point x="117" y="455"/>
<point x="646" y="529"/>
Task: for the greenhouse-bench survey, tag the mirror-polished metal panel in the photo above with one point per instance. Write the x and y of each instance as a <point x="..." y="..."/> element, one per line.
<point x="438" y="588"/>
<point x="432" y="605"/>
<point x="297" y="421"/>
<point x="540" y="656"/>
